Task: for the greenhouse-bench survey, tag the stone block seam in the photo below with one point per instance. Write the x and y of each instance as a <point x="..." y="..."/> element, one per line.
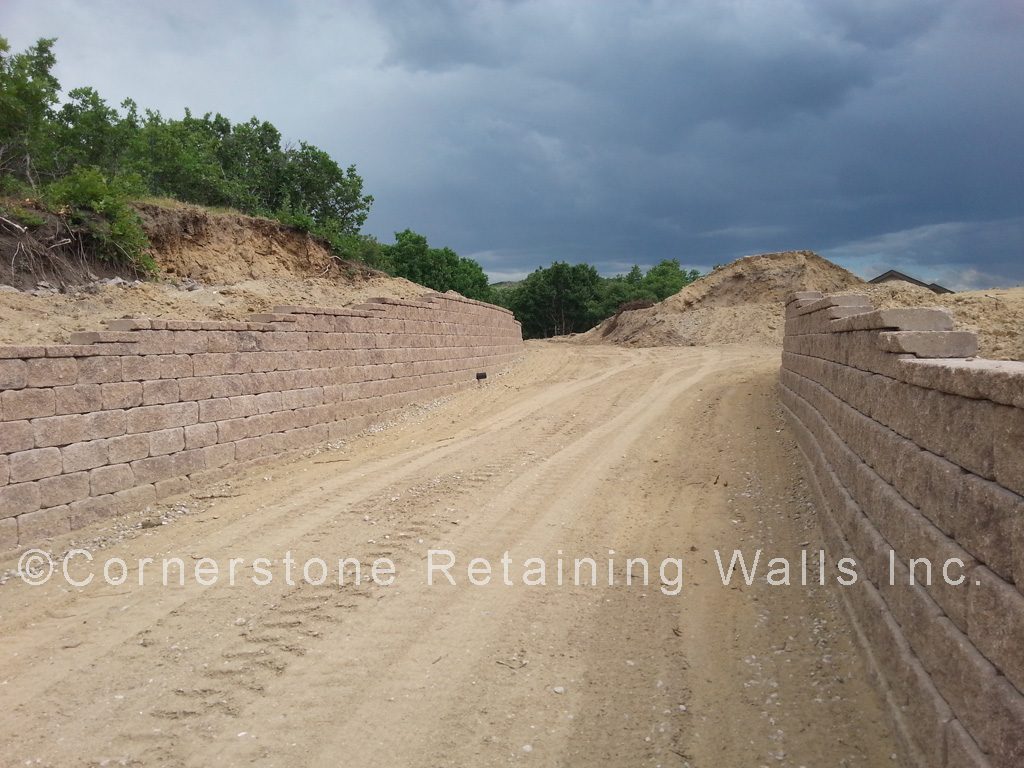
<point x="914" y="448"/>
<point x="121" y="417"/>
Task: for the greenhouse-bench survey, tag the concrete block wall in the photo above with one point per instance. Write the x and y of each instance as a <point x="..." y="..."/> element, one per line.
<point x="916" y="450"/>
<point x="139" y="411"/>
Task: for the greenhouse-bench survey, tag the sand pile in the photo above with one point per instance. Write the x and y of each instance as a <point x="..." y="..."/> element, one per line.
<point x="738" y="303"/>
<point x="742" y="303"/>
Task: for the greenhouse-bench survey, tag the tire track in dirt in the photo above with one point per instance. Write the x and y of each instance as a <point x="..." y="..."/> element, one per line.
<point x="582" y="450"/>
<point x="555" y="490"/>
<point x="170" y="615"/>
<point x="392" y="647"/>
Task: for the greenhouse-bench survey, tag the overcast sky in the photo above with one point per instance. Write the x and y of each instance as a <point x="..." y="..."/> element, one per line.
<point x="879" y="133"/>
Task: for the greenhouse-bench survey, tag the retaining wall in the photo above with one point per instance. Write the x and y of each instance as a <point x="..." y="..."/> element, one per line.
<point x="126" y="416"/>
<point x="917" y="449"/>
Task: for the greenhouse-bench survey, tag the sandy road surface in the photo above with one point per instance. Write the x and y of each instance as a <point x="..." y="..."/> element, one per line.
<point x="654" y="453"/>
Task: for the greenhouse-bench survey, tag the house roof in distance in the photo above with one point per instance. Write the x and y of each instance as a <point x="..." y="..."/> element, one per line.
<point x="892" y="274"/>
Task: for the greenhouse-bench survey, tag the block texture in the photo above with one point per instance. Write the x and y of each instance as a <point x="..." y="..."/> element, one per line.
<point x="918" y="455"/>
<point x="136" y="412"/>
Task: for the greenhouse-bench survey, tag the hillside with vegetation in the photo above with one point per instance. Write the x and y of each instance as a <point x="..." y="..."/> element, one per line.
<point x="74" y="156"/>
<point x="90" y="189"/>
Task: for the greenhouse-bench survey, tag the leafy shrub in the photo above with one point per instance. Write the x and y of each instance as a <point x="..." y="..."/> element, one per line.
<point x="115" y="227"/>
<point x="25" y="217"/>
<point x="12" y="186"/>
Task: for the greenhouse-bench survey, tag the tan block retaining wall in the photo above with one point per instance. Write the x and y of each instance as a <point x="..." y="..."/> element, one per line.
<point x="915" y="447"/>
<point x="128" y="415"/>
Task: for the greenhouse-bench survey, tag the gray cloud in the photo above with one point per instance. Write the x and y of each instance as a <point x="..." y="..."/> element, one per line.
<point x="880" y="134"/>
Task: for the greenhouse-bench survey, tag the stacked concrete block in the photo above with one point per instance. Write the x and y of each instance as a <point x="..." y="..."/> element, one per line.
<point x="136" y="412"/>
<point x="916" y="454"/>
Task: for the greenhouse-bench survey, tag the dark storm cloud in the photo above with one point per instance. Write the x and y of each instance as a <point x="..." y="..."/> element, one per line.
<point x="881" y="134"/>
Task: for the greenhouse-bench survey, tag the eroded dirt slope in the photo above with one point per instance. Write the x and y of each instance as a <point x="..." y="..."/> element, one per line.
<point x="220" y="247"/>
<point x="584" y="451"/>
<point x="214" y="266"/>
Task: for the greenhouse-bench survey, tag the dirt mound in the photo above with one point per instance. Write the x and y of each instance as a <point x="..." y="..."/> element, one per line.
<point x="764" y="279"/>
<point x="214" y="266"/>
<point x="738" y="303"/>
<point x="742" y="303"/>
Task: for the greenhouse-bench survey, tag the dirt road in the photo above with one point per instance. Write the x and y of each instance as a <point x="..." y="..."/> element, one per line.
<point x="577" y="452"/>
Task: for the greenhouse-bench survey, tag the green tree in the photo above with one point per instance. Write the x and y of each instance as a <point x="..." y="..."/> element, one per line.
<point x="408" y="255"/>
<point x="556" y="300"/>
<point x="28" y="92"/>
<point x="666" y="279"/>
<point x="442" y="269"/>
<point x="251" y="155"/>
<point x="86" y="131"/>
<point x="616" y="291"/>
<point x="564" y="299"/>
<point x="178" y="158"/>
<point x="314" y="184"/>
